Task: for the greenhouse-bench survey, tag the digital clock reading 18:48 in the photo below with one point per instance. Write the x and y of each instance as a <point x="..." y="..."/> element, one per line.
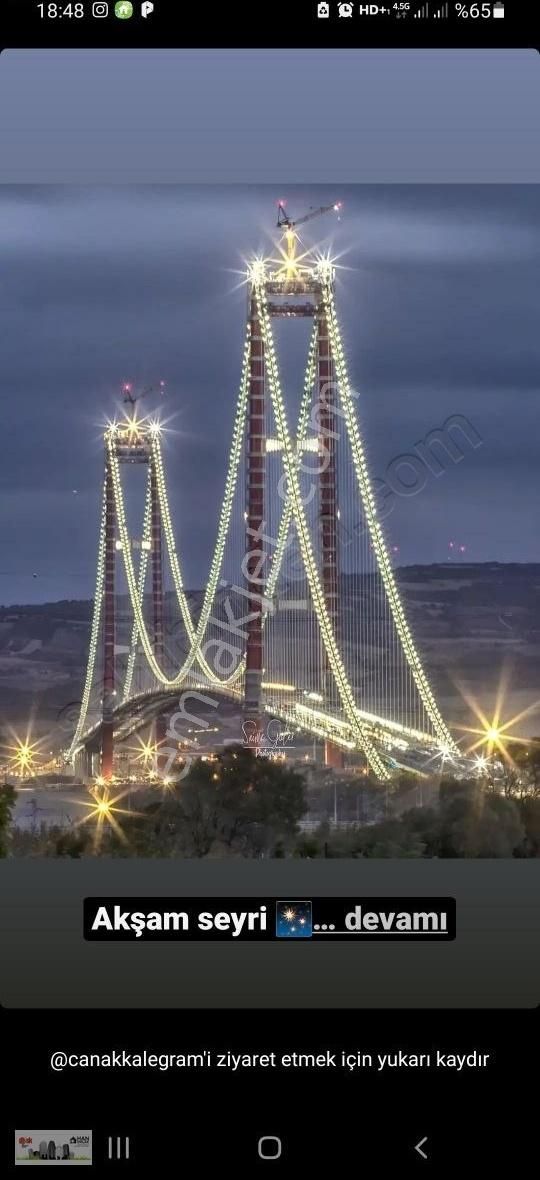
<point x="55" y="11"/>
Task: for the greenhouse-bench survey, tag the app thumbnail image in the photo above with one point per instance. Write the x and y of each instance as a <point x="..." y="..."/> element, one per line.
<point x="50" y="1147"/>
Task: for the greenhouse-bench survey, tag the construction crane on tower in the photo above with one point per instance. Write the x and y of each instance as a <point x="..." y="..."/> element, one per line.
<point x="131" y="398"/>
<point x="290" y="263"/>
<point x="286" y="222"/>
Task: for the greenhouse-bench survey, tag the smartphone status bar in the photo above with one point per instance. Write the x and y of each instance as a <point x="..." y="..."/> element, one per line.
<point x="307" y="24"/>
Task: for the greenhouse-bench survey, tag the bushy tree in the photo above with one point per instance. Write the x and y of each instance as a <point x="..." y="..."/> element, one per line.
<point x="45" y="840"/>
<point x="469" y="821"/>
<point x="529" y="810"/>
<point x="477" y="823"/>
<point x="391" y="838"/>
<point x="72" y="844"/>
<point x="238" y="804"/>
<point x="521" y="770"/>
<point x="8" y="796"/>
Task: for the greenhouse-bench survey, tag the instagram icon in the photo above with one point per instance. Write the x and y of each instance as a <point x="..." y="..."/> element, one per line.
<point x="100" y="9"/>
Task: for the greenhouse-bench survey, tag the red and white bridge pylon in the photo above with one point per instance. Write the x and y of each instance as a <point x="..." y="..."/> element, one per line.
<point x="131" y="442"/>
<point x="291" y="292"/>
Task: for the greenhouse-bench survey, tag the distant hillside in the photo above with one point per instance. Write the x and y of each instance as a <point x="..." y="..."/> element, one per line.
<point x="472" y="623"/>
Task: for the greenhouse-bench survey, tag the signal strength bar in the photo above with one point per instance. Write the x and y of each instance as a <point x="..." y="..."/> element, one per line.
<point x="441" y="13"/>
<point x="422" y="13"/>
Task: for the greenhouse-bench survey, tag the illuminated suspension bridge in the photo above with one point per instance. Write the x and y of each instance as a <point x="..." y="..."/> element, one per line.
<point x="301" y="618"/>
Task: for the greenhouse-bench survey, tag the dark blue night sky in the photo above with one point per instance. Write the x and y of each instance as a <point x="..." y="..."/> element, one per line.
<point x="438" y="299"/>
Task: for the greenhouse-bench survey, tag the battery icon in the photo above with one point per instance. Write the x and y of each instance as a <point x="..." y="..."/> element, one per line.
<point x="498" y="10"/>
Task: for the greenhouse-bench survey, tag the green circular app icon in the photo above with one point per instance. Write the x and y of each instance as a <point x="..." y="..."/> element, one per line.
<point x="123" y="9"/>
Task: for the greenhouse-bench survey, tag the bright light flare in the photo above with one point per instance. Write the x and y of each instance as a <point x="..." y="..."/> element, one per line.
<point x="130" y="424"/>
<point x="291" y="265"/>
<point x="23" y="757"/>
<point x="324" y="268"/>
<point x="147" y="752"/>
<point x="256" y="272"/>
<point x="491" y="735"/>
<point x="104" y="810"/>
<point x="103" y="807"/>
<point x="493" y="740"/>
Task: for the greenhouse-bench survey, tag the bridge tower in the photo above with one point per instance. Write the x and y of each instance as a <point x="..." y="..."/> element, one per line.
<point x="129" y="442"/>
<point x="328" y="499"/>
<point x="255" y="505"/>
<point x="109" y="627"/>
<point x="291" y="291"/>
<point x="156" y="532"/>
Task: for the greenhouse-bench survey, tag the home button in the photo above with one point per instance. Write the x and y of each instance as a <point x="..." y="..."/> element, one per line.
<point x="269" y="1147"/>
